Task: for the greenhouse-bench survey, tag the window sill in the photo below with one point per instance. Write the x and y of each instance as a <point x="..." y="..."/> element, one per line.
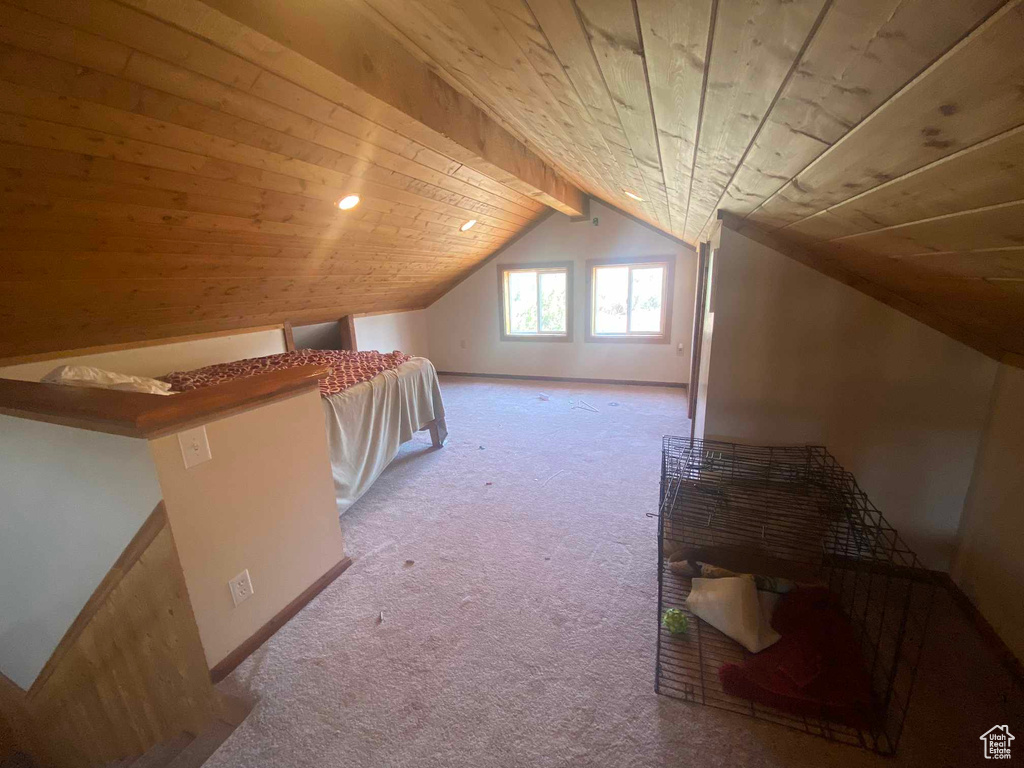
<point x="535" y="337"/>
<point x="659" y="339"/>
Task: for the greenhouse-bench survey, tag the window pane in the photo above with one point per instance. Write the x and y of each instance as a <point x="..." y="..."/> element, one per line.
<point x="553" y="302"/>
<point x="645" y="314"/>
<point x="522" y="302"/>
<point x="611" y="292"/>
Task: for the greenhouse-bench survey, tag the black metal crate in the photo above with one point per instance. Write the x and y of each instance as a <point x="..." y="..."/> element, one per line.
<point x="798" y="511"/>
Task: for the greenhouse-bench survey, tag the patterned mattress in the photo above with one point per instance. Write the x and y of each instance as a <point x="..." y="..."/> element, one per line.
<point x="347" y="368"/>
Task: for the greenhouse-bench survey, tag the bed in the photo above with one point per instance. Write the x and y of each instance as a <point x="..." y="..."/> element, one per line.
<point x="372" y="402"/>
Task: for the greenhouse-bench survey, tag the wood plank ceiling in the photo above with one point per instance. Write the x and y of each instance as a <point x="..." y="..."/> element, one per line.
<point x="155" y="183"/>
<point x="170" y="166"/>
<point x="882" y="137"/>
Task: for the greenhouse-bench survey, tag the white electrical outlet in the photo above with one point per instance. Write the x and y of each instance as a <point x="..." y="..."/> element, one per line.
<point x="241" y="587"/>
<point x="195" y="447"/>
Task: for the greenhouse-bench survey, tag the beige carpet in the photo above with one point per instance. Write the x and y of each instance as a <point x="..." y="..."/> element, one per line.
<point x="516" y="572"/>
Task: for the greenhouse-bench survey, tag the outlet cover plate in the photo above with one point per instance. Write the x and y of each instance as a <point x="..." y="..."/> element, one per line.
<point x="241" y="587"/>
<point x="195" y="447"/>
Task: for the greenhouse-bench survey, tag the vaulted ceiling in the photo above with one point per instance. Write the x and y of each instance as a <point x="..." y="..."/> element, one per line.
<point x="882" y="139"/>
<point x="157" y="182"/>
<point x="171" y="165"/>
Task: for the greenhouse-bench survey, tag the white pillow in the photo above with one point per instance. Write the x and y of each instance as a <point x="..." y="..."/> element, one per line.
<point x="734" y="607"/>
<point x="87" y="376"/>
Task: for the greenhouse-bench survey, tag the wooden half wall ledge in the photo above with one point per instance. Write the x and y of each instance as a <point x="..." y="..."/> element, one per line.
<point x="136" y="414"/>
<point x="228" y="664"/>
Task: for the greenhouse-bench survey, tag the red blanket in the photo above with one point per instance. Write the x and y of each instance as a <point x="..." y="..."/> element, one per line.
<point x="815" y="670"/>
<point x="347" y="368"/>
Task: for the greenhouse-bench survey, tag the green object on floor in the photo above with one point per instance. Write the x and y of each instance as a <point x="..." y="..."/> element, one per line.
<point x="674" y="620"/>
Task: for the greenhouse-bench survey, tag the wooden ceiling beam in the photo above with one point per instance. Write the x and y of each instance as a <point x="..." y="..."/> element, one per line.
<point x="492" y="64"/>
<point x="328" y="182"/>
<point x="341" y="40"/>
<point x="168" y="59"/>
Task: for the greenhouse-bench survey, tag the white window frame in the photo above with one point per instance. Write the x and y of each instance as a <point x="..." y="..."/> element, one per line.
<point x="667" y="291"/>
<point x="504" y="328"/>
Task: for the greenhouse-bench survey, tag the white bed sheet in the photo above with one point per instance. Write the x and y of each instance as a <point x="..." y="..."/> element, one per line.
<point x="367" y="424"/>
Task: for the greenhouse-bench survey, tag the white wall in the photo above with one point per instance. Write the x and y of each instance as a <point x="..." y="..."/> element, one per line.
<point x="404" y="331"/>
<point x="264" y="502"/>
<point x="989" y="566"/>
<point x="317" y="336"/>
<point x="464" y="325"/>
<point x="159" y="359"/>
<point x="798" y="358"/>
<point x="71" y="501"/>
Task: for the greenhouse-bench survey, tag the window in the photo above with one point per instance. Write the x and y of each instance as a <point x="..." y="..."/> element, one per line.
<point x="536" y="302"/>
<point x="629" y="301"/>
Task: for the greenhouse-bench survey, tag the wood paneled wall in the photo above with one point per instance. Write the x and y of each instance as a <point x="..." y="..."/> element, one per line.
<point x="129" y="673"/>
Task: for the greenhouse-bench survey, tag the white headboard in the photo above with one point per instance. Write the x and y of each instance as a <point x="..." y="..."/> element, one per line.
<point x="159" y="358"/>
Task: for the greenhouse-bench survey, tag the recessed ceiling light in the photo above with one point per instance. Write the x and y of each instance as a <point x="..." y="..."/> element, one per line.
<point x="635" y="197"/>
<point x="348" y="202"/>
<point x="468" y="225"/>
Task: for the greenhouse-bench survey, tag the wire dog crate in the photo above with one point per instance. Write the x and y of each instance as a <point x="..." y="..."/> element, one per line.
<point x="797" y="513"/>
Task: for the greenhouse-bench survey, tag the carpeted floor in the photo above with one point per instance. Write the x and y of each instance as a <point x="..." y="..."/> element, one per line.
<point x="516" y="572"/>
